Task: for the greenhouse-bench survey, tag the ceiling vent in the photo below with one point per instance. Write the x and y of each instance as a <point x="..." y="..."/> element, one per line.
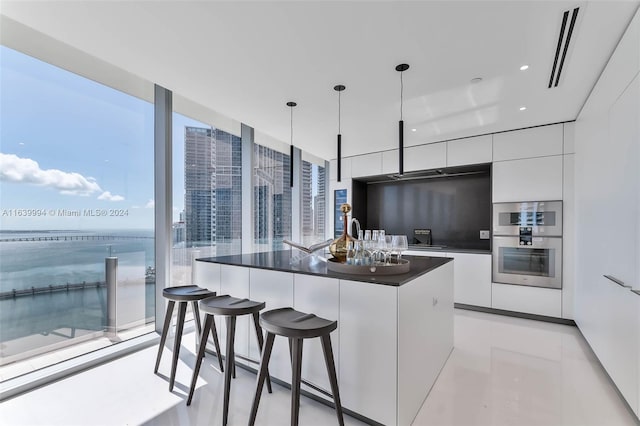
<point x="564" y="38"/>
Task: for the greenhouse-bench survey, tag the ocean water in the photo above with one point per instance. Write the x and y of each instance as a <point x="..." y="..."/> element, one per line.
<point x="26" y="264"/>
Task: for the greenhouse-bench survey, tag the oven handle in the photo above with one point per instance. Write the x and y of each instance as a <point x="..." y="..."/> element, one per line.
<point x="617" y="281"/>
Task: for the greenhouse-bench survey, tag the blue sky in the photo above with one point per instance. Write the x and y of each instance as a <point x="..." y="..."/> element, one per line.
<point x="67" y="142"/>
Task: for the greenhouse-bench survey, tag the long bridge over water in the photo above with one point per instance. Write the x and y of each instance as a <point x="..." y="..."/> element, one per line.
<point x="74" y="238"/>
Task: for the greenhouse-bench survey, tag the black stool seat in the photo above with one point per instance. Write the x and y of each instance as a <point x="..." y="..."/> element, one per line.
<point x="296" y="326"/>
<point x="228" y="305"/>
<point x="188" y="293"/>
<point x="183" y="295"/>
<point x="231" y="308"/>
<point x="291" y="323"/>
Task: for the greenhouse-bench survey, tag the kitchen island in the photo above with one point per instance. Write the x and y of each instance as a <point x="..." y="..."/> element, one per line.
<point x="395" y="332"/>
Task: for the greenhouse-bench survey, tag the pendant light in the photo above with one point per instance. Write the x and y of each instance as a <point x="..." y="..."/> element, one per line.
<point x="339" y="88"/>
<point x="291" y="104"/>
<point x="401" y="68"/>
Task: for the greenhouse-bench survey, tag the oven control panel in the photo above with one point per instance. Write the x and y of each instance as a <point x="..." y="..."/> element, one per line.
<point x="526" y="236"/>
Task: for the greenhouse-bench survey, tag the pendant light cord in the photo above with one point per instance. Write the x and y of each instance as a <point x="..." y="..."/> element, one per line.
<point x="339" y="113"/>
<point x="291" y="138"/>
<point x="401" y="90"/>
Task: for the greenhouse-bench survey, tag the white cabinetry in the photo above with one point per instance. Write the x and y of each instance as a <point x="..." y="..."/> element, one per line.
<point x="470" y="151"/>
<point x="540" y="141"/>
<point x="321" y="296"/>
<point x="607" y="202"/>
<point x="472" y="278"/>
<point x="532" y="179"/>
<point x="390" y="162"/>
<point x="372" y="344"/>
<point x="530" y="300"/>
<point x="568" y="237"/>
<point x="425" y="331"/>
<point x="425" y="157"/>
<point x="366" y="165"/>
<point x="207" y="275"/>
<point x="275" y="288"/>
<point x="345" y="173"/>
<point x="234" y="280"/>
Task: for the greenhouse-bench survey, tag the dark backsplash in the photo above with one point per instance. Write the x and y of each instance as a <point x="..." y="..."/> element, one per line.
<point x="455" y="208"/>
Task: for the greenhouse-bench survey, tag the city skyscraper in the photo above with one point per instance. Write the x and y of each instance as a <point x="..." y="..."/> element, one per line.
<point x="272" y="198"/>
<point x="319" y="205"/>
<point x="307" y="199"/>
<point x="213" y="189"/>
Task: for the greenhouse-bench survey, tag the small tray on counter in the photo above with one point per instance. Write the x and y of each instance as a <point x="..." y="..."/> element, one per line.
<point x="402" y="267"/>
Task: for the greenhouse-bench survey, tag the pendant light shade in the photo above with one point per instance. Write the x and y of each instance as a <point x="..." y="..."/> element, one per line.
<point x="291" y="104"/>
<point x="401" y="68"/>
<point x="339" y="88"/>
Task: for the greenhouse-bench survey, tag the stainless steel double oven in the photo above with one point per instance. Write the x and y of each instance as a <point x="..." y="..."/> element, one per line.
<point x="527" y="243"/>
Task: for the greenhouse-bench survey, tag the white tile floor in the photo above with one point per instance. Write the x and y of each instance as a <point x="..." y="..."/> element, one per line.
<point x="503" y="371"/>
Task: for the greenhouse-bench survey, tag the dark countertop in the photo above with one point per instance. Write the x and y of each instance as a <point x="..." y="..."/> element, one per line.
<point x="312" y="265"/>
<point x="445" y="249"/>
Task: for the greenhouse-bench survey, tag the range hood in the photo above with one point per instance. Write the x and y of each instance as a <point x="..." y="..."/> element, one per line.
<point x="438" y="173"/>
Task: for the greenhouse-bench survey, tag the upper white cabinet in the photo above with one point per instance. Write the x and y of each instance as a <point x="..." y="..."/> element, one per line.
<point x="470" y="151"/>
<point x="345" y="172"/>
<point x="425" y="157"/>
<point x="366" y="165"/>
<point x="532" y="179"/>
<point x="535" y="142"/>
<point x="390" y="162"/>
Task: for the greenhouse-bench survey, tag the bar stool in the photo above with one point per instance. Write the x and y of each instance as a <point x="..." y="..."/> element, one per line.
<point x="296" y="326"/>
<point x="183" y="295"/>
<point x="231" y="307"/>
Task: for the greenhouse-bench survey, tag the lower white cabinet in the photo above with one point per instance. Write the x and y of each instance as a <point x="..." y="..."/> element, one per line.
<point x="529" y="300"/>
<point x="613" y="332"/>
<point x="472" y="278"/>
<point x="425" y="332"/>
<point x="234" y="281"/>
<point x="320" y="296"/>
<point x="372" y="344"/>
<point x="275" y="288"/>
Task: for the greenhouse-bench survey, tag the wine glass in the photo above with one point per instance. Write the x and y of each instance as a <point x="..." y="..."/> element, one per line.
<point x="400" y="244"/>
<point x="388" y="248"/>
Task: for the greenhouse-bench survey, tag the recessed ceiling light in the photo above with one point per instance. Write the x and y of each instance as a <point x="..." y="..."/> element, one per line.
<point x="476" y="80"/>
<point x="522" y="108"/>
<point x="524" y="67"/>
<point x="413" y="130"/>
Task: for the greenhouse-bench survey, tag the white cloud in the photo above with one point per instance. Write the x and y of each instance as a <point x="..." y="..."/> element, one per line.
<point x="150" y="204"/>
<point x="26" y="170"/>
<point x="109" y="197"/>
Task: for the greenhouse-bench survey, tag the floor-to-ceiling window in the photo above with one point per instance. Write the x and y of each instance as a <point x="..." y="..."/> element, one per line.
<point x="77" y="208"/>
<point x="207" y="194"/>
<point x="271" y="198"/>
<point x="313" y="201"/>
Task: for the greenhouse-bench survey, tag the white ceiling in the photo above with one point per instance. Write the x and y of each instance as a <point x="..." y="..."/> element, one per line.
<point x="247" y="59"/>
